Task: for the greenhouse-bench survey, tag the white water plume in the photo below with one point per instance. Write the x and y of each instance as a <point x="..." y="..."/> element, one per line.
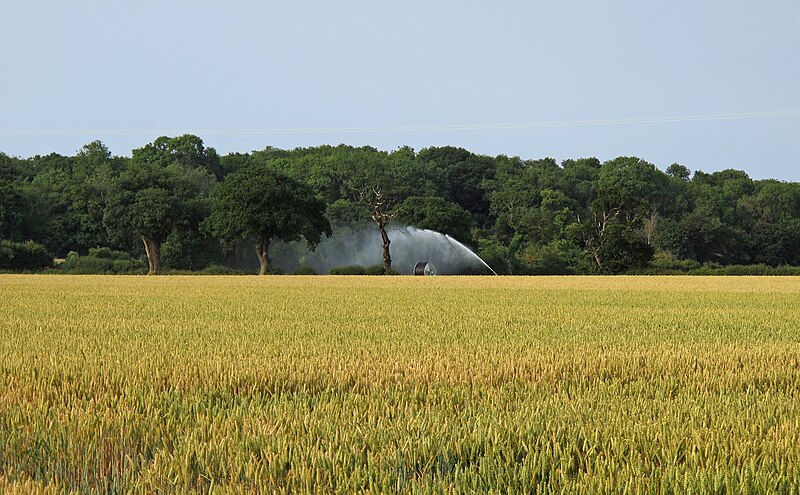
<point x="449" y="255"/>
<point x="409" y="245"/>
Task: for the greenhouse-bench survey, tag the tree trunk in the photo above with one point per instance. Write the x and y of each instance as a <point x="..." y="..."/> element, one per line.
<point x="262" y="250"/>
<point x="387" y="259"/>
<point x="381" y="221"/>
<point x="382" y="216"/>
<point x="596" y="256"/>
<point x="594" y="242"/>
<point x="650" y="226"/>
<point x="153" y="249"/>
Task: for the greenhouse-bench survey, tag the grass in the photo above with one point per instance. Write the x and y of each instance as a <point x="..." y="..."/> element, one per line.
<point x="411" y="384"/>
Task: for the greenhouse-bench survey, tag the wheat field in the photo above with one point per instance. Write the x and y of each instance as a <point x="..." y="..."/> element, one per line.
<point x="325" y="384"/>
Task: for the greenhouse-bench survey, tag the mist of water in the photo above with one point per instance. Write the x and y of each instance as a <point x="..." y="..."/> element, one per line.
<point x="450" y="256"/>
<point x="409" y="245"/>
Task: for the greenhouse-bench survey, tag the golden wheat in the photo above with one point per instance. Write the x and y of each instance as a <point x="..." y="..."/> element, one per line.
<point x="411" y="384"/>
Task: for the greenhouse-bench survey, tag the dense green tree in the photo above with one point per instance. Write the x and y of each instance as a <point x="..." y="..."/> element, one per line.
<point x="496" y="254"/>
<point x="624" y="213"/>
<point x="15" y="203"/>
<point x="56" y="226"/>
<point x="461" y="176"/>
<point x="630" y="188"/>
<point x="678" y="171"/>
<point x="513" y="194"/>
<point x="347" y="213"/>
<point x="155" y="196"/>
<point x="558" y="257"/>
<point x="233" y="162"/>
<point x="712" y="223"/>
<point x="772" y="218"/>
<point x="525" y="216"/>
<point x="578" y="180"/>
<point x="623" y="249"/>
<point x="187" y="150"/>
<point x="258" y="203"/>
<point x="93" y="172"/>
<point x="69" y="198"/>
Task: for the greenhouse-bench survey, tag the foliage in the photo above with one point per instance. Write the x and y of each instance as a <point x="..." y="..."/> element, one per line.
<point x="349" y="270"/>
<point x="666" y="262"/>
<point x="623" y="249"/>
<point x="257" y="202"/>
<point x="434" y="213"/>
<point x="190" y="249"/>
<point x="108" y="253"/>
<point x="527" y="216"/>
<point x="23" y="256"/>
<point x="496" y="255"/>
<point x="215" y="269"/>
<point x="14" y="199"/>
<point x="362" y="270"/>
<point x="102" y="261"/>
<point x="460" y="175"/>
<point x="187" y="151"/>
<point x="163" y="190"/>
<point x="344" y="213"/>
<point x="559" y="257"/>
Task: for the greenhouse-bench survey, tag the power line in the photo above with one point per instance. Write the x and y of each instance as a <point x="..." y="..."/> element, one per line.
<point x="421" y="128"/>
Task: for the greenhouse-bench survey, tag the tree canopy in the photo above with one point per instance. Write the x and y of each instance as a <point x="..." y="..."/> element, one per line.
<point x="259" y="203"/>
<point x="180" y="205"/>
<point x="158" y="194"/>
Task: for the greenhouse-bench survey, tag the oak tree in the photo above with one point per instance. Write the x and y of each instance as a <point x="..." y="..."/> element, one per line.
<point x="258" y="203"/>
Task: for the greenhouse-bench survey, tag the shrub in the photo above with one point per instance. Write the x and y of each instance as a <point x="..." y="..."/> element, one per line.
<point x="82" y="265"/>
<point x="378" y="270"/>
<point x="374" y="270"/>
<point x="558" y="257"/>
<point x="665" y="260"/>
<point x="108" y="254"/>
<point x="305" y="270"/>
<point x="214" y="269"/>
<point x="349" y="270"/>
<point x="664" y="264"/>
<point x="23" y="256"/>
<point x="362" y="270"/>
<point x="786" y="270"/>
<point x="101" y="261"/>
<point x="745" y="270"/>
<point x="495" y="254"/>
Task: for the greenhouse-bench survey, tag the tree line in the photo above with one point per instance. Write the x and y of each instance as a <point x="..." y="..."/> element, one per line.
<point x="182" y="206"/>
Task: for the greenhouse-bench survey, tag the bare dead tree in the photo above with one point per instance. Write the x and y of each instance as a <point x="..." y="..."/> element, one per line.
<point x="594" y="233"/>
<point x="382" y="214"/>
<point x="650" y="227"/>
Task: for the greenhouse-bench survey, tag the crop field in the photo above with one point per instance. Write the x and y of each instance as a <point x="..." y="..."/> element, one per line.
<point x="399" y="384"/>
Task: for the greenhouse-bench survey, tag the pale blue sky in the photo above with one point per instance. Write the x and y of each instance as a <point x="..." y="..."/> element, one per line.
<point x="92" y="69"/>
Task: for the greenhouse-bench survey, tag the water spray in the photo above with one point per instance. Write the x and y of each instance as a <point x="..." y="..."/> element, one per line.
<point x="409" y="247"/>
<point x="448" y="252"/>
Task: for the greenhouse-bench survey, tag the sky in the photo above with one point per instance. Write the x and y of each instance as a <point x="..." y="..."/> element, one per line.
<point x="558" y="78"/>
